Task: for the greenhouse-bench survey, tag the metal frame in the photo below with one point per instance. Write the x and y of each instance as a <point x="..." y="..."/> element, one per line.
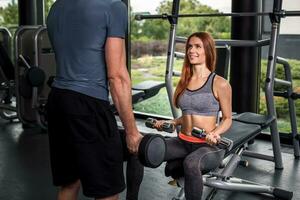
<point x="35" y="96"/>
<point x="275" y="17"/>
<point x="39" y="100"/>
<point x="280" y="13"/>
<point x="233" y="43"/>
<point x="288" y="82"/>
<point x="171" y="56"/>
<point x="19" y="99"/>
<point x="269" y="84"/>
<point x="222" y="179"/>
<point x="34" y="104"/>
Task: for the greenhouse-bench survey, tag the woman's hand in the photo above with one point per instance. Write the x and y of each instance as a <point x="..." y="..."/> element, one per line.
<point x="212" y="138"/>
<point x="159" y="124"/>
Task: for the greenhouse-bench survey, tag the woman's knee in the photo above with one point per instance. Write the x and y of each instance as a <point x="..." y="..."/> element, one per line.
<point x="191" y="165"/>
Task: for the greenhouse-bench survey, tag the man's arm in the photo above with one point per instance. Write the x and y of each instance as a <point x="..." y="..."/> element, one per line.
<point x="120" y="89"/>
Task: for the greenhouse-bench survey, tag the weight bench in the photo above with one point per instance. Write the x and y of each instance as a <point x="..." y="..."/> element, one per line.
<point x="146" y="90"/>
<point x="245" y="127"/>
<point x="142" y="91"/>
<point x="150" y="88"/>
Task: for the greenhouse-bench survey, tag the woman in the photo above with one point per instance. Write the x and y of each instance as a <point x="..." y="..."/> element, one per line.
<point x="200" y="94"/>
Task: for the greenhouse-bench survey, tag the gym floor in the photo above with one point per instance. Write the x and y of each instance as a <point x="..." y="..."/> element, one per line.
<point x="25" y="172"/>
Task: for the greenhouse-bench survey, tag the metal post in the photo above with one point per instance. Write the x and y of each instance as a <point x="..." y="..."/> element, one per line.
<point x="40" y="12"/>
<point x="245" y="61"/>
<point x="292" y="110"/>
<point x="27" y="12"/>
<point x="269" y="84"/>
<point x="128" y="37"/>
<point x="170" y="58"/>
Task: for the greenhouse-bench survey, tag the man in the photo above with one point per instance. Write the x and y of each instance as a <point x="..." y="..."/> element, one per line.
<point x="85" y="146"/>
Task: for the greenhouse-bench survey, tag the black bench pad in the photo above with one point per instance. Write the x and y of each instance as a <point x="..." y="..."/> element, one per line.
<point x="151" y="88"/>
<point x="254" y="118"/>
<point x="240" y="133"/>
<point x="137" y="95"/>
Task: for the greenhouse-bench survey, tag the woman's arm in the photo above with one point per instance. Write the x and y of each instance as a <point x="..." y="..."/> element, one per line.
<point x="223" y="90"/>
<point x="224" y="93"/>
<point x="177" y="121"/>
<point x="159" y="123"/>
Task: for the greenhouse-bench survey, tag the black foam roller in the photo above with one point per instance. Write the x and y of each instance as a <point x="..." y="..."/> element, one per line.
<point x="283" y="194"/>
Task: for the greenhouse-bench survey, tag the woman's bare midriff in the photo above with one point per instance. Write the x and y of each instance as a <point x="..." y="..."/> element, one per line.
<point x="208" y="123"/>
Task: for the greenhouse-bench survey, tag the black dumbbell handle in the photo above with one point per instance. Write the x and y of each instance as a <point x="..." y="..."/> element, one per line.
<point x="168" y="127"/>
<point x="150" y="122"/>
<point x="199" y="133"/>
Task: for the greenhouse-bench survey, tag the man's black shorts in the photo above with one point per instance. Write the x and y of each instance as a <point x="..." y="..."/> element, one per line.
<point x="84" y="143"/>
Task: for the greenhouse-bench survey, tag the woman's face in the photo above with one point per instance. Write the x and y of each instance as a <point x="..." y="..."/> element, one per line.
<point x="195" y="51"/>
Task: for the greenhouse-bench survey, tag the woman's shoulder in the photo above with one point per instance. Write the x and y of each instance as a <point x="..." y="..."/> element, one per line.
<point x="221" y="83"/>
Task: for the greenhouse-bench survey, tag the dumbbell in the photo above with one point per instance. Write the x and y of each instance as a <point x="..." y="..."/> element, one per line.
<point x="223" y="143"/>
<point x="152" y="147"/>
<point x="152" y="150"/>
<point x="167" y="127"/>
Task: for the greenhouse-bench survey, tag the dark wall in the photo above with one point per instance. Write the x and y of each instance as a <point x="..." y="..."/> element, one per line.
<point x="288" y="46"/>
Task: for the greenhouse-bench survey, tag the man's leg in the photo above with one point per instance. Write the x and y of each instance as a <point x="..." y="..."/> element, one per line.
<point x="115" y="197"/>
<point x="69" y="192"/>
<point x="62" y="156"/>
<point x="134" y="177"/>
<point x="134" y="171"/>
<point x="99" y="150"/>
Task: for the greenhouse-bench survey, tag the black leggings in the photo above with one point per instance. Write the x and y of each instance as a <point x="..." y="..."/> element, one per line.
<point x="197" y="159"/>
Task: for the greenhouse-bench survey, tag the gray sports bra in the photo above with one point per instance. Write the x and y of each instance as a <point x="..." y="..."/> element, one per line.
<point x="201" y="101"/>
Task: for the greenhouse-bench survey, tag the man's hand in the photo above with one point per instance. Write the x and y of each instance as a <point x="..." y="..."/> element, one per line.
<point x="133" y="141"/>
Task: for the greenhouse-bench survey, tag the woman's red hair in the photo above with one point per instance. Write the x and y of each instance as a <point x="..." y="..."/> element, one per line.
<point x="187" y="69"/>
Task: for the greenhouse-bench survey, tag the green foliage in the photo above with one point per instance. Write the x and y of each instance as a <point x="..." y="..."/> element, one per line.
<point x="215" y="25"/>
<point x="48" y="4"/>
<point x="9" y="15"/>
<point x="219" y="27"/>
<point x="157" y="105"/>
<point x="149" y="30"/>
<point x="151" y="68"/>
